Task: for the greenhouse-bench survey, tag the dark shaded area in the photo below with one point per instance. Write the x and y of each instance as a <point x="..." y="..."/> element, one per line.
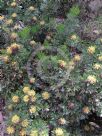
<point x="94" y="122"/>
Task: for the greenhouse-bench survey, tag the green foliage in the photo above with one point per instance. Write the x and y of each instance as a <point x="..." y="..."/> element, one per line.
<point x="39" y="125"/>
<point x="35" y="29"/>
<point x="25" y="32"/>
<point x="1" y="4"/>
<point x="60" y="28"/>
<point x="22" y="56"/>
<point x="74" y="11"/>
<point x="41" y="55"/>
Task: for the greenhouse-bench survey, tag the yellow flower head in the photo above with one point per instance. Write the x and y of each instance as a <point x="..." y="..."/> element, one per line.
<point x="15" y="119"/>
<point x="42" y="23"/>
<point x="32" y="80"/>
<point x="22" y="132"/>
<point x="59" y="132"/>
<point x="31" y="8"/>
<point x="25" y="123"/>
<point x="86" y="110"/>
<point x="100" y="58"/>
<point x="91" y="79"/>
<point x="10" y="130"/>
<point x="15" y="46"/>
<point x="31" y="93"/>
<point x="14" y="15"/>
<point x="43" y="133"/>
<point x="73" y="37"/>
<point x="9" y="50"/>
<point x="97" y="66"/>
<point x="26" y="98"/>
<point x="34" y="18"/>
<point x="26" y="89"/>
<point x="32" y="43"/>
<point x="13" y="4"/>
<point x="10" y="107"/>
<point x="33" y="98"/>
<point x="32" y="109"/>
<point x="14" y="63"/>
<point x="87" y="128"/>
<point x="62" y="121"/>
<point x="34" y="133"/>
<point x="9" y="22"/>
<point x="71" y="64"/>
<point x="48" y="37"/>
<point x="45" y="95"/>
<point x="62" y="63"/>
<point x="14" y="35"/>
<point x="77" y="58"/>
<point x="91" y="49"/>
<point x="1" y="17"/>
<point x="6" y="59"/>
<point x="16" y="27"/>
<point x="15" y="99"/>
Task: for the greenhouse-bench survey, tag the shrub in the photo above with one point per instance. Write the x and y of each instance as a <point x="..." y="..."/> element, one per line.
<point x="51" y="77"/>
